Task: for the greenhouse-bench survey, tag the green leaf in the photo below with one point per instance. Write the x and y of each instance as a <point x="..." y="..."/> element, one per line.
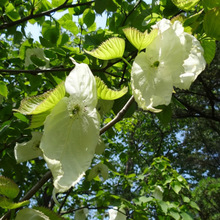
<point x="104" y="106"/>
<point x="50" y="32"/>
<point x="8" y="187"/>
<point x="42" y="103"/>
<point x="21" y="117"/>
<point x="67" y="23"/>
<point x="186" y="216"/>
<point x="194" y="205"/>
<point x="56" y="3"/>
<point x="165" y="115"/>
<point x="37" y="61"/>
<point x="185" y="199"/>
<point x="138" y="39"/>
<point x="209" y="4"/>
<point x="3" y="89"/>
<point x="11" y="12"/>
<point x="163" y="206"/>
<point x="38" y="119"/>
<point x="100" y="6"/>
<point x="31" y="214"/>
<point x="110" y="49"/>
<point x="185" y="4"/>
<point x="108" y="94"/>
<point x="88" y="17"/>
<point x="173" y="214"/>
<point x="212" y="22"/>
<point x="7" y="203"/>
<point x="176" y="186"/>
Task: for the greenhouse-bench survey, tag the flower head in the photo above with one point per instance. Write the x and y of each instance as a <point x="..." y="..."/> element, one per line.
<point x="71" y="131"/>
<point x="174" y="58"/>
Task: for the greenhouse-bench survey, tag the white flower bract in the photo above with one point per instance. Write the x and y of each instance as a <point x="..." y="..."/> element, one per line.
<point x="71" y="131"/>
<point x="173" y="59"/>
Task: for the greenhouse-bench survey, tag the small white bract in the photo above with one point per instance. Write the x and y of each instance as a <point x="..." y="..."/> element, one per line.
<point x="116" y="215"/>
<point x="173" y="59"/>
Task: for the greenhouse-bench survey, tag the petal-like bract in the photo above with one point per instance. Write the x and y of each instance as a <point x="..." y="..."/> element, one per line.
<point x="81" y="83"/>
<point x="174" y="58"/>
<point x="28" y="150"/>
<point x="71" y="131"/>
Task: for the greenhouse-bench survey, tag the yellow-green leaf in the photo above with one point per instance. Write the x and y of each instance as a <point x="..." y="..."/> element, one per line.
<point x="108" y="94"/>
<point x="42" y="103"/>
<point x="138" y="39"/>
<point x="7" y="203"/>
<point x="38" y="119"/>
<point x="110" y="49"/>
<point x="212" y="22"/>
<point x="8" y="187"/>
<point x="185" y="4"/>
<point x="3" y="89"/>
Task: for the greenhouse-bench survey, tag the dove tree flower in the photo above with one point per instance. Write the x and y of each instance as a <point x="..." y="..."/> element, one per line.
<point x="173" y="59"/>
<point x="71" y="131"/>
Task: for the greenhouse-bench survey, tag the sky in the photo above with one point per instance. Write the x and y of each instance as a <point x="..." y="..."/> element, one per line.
<point x="35" y="29"/>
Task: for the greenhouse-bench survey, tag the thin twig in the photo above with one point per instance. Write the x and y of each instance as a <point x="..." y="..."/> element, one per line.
<point x="33" y="72"/>
<point x="119" y="116"/>
<point x="45" y="13"/>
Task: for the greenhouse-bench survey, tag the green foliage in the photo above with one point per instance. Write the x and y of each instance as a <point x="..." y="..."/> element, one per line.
<point x="148" y="161"/>
<point x="108" y="94"/>
<point x="206" y="196"/>
<point x="9" y="190"/>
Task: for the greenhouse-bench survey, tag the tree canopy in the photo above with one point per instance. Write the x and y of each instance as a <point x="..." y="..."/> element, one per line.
<point x="112" y="112"/>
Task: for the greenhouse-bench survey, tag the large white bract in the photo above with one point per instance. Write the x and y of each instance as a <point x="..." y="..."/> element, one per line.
<point x="71" y="131"/>
<point x="173" y="59"/>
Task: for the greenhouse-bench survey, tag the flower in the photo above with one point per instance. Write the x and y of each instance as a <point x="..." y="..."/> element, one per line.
<point x="173" y="59"/>
<point x="71" y="131"/>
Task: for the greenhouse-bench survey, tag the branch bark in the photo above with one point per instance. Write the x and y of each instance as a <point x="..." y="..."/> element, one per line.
<point x="119" y="116"/>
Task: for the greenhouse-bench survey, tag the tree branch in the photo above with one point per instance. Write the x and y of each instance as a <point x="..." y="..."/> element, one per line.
<point x="119" y="116"/>
<point x="45" y="13"/>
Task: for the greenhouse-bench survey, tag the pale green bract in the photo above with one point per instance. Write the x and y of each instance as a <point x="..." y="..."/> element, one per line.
<point x="39" y="53"/>
<point x="98" y="169"/>
<point x="116" y="215"/>
<point x="71" y="131"/>
<point x="110" y="49"/>
<point x="31" y="214"/>
<point x="28" y="150"/>
<point x="81" y="214"/>
<point x="174" y="58"/>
